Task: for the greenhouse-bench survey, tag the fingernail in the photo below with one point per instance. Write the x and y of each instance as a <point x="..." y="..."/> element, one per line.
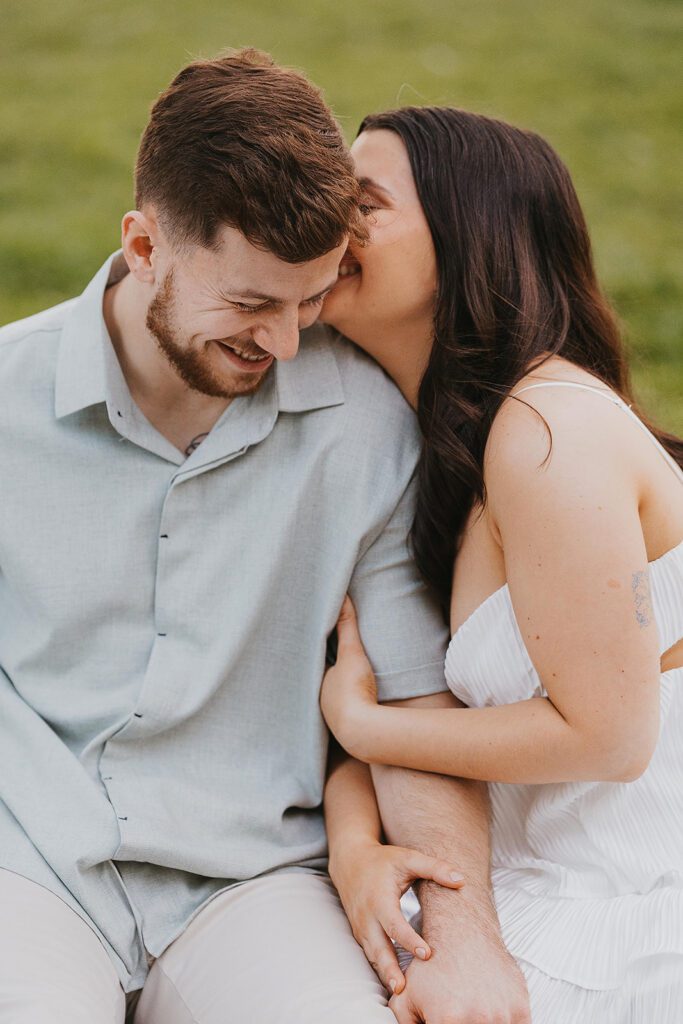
<point x="421" y="952"/>
<point x="392" y="984"/>
<point x="455" y="877"/>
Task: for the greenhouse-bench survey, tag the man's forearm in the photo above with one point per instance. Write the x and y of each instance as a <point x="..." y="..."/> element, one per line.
<point x="446" y="818"/>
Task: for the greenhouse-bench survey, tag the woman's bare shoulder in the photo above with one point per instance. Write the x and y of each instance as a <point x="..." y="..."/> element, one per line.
<point x="557" y="431"/>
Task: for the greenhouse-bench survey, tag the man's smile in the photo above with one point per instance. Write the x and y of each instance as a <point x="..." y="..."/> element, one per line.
<point x="245" y="360"/>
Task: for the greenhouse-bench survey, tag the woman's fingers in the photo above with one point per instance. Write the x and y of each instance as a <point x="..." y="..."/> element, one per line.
<point x="381" y="954"/>
<point x="348" y="634"/>
<point x="420" y="865"/>
<point x="398" y="929"/>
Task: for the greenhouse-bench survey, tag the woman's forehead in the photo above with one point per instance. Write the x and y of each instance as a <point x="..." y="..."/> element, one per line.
<point x="380" y="155"/>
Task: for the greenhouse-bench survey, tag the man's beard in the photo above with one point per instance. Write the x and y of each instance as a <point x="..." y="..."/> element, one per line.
<point x="191" y="365"/>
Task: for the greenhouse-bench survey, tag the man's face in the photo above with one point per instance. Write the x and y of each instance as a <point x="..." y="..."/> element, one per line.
<point x="221" y="317"/>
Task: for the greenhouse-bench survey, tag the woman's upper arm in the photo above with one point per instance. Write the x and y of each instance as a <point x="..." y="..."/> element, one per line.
<point x="576" y="566"/>
<point x="443" y="699"/>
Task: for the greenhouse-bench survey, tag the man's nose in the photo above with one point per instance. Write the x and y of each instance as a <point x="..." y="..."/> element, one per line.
<point x="281" y="336"/>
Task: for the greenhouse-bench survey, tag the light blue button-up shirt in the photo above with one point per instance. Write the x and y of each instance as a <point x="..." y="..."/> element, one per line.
<point x="163" y="620"/>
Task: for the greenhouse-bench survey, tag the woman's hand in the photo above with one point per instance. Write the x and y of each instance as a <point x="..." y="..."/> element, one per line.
<point x="370" y="879"/>
<point x="348" y="697"/>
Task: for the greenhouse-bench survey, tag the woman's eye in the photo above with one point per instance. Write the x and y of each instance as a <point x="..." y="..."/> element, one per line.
<point x="367" y="208"/>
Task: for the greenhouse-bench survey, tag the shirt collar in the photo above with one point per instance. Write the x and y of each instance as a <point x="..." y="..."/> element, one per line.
<point x="310" y="381"/>
<point x="81" y="368"/>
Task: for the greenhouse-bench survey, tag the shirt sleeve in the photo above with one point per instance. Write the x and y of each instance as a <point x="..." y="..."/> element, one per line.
<point x="401" y="625"/>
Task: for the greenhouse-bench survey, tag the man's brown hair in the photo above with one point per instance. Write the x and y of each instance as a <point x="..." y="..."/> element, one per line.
<point x="241" y="141"/>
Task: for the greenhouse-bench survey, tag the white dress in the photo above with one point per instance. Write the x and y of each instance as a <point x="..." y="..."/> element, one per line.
<point x="588" y="877"/>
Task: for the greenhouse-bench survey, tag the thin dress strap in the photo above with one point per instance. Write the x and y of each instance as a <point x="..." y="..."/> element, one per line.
<point x="615" y="400"/>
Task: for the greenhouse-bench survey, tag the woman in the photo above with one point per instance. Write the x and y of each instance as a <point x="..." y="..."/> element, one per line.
<point x="550" y="524"/>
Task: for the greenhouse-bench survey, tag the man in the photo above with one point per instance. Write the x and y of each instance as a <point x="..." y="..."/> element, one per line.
<point x="183" y="510"/>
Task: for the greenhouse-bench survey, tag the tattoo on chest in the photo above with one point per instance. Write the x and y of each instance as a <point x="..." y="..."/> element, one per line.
<point x="640" y="587"/>
<point x="195" y="443"/>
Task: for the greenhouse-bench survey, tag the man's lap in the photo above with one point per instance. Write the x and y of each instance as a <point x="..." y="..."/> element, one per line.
<point x="276" y="949"/>
<point x="273" y="950"/>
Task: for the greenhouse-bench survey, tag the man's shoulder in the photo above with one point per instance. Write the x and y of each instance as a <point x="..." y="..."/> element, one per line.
<point x="370" y="395"/>
<point x="39" y="325"/>
<point x="372" y="435"/>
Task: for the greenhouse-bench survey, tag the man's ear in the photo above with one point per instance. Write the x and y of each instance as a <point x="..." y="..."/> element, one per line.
<point x="140" y="236"/>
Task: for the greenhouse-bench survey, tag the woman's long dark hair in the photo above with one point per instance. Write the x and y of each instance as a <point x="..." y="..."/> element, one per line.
<point x="515" y="283"/>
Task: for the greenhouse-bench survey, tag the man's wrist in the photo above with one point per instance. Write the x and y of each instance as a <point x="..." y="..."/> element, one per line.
<point x="466" y="914"/>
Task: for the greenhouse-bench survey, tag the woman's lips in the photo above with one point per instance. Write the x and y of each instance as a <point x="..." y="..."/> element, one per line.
<point x="245" y="365"/>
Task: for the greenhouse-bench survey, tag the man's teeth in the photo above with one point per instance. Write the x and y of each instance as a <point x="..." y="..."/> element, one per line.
<point x="248" y="359"/>
<point x="347" y="269"/>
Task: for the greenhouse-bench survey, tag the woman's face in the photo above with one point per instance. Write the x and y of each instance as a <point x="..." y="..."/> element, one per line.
<point x="384" y="298"/>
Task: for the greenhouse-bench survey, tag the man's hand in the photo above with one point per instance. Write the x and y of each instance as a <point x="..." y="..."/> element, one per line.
<point x="471" y="979"/>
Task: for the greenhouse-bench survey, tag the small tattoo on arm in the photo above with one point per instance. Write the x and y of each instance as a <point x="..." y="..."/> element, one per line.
<point x="640" y="587"/>
<point x="195" y="443"/>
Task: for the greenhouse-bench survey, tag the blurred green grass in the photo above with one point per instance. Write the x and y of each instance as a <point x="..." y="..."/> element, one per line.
<point x="601" y="80"/>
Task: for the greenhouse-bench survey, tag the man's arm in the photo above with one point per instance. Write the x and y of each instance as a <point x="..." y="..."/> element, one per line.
<point x="470" y="976"/>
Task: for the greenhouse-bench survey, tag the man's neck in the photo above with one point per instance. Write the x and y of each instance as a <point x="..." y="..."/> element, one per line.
<point x="181" y="414"/>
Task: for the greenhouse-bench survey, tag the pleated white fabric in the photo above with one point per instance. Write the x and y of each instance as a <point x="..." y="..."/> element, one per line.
<point x="588" y="877"/>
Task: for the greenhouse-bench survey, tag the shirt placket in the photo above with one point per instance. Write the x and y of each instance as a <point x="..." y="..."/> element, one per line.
<point x="157" y="700"/>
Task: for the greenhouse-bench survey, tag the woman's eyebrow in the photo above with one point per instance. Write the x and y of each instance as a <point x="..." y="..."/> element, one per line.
<point x="375" y="186"/>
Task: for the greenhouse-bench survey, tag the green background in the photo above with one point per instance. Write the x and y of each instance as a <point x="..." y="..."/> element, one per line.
<point x="599" y="78"/>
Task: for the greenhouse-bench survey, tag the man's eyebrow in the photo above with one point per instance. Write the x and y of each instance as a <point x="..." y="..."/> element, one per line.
<point x="248" y="293"/>
<point x="375" y="186"/>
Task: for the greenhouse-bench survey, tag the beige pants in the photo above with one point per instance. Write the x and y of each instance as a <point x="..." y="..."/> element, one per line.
<point x="275" y="950"/>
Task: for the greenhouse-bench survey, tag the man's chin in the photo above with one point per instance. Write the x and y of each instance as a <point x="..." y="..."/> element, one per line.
<point x="239" y="385"/>
<point x="219" y="381"/>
